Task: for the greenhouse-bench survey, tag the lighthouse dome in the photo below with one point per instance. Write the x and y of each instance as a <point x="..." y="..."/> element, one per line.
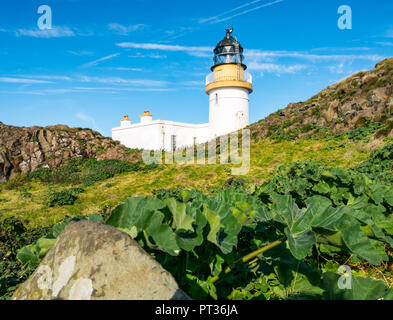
<point x="228" y="51"/>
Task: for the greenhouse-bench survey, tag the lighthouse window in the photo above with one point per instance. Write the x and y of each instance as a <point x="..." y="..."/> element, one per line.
<point x="216" y="98"/>
<point x="173" y="142"/>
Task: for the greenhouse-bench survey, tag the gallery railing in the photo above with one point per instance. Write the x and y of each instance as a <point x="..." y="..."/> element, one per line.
<point x="229" y="75"/>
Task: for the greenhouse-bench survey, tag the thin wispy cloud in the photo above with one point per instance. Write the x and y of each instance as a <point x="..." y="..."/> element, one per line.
<point x="81" y="53"/>
<point x="125" y="30"/>
<point x="389" y="33"/>
<point x="178" y="32"/>
<point x="338" y="69"/>
<point x="47" y="77"/>
<point x="163" y="47"/>
<point x="88" y="119"/>
<point x="341" y="49"/>
<point x="197" y="83"/>
<point x="255" y="53"/>
<point x="221" y="17"/>
<point x="127" y="69"/>
<point x="123" y="89"/>
<point x="123" y="81"/>
<point x="94" y="90"/>
<point x="23" y="80"/>
<point x="385" y="43"/>
<point x="83" y="116"/>
<point x="151" y="56"/>
<point x="204" y="20"/>
<point x="115" y="81"/>
<point x="55" y="32"/>
<point x="276" y="68"/>
<point x="204" y="52"/>
<point x="95" y="62"/>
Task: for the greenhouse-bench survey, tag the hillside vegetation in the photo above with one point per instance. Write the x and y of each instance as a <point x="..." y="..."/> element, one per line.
<point x="23" y="150"/>
<point x="319" y="190"/>
<point x="363" y="100"/>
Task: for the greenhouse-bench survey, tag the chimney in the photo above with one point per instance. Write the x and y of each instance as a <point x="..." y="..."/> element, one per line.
<point x="125" y="122"/>
<point x="146" y="117"/>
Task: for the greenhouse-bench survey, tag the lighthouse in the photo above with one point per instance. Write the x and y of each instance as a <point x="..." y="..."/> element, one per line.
<point x="228" y="87"/>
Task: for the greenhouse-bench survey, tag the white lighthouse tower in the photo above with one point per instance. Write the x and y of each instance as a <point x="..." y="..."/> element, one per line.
<point x="228" y="87"/>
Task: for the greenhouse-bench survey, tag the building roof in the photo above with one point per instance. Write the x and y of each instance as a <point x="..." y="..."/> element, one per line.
<point x="125" y="118"/>
<point x="146" y="114"/>
<point x="228" y="41"/>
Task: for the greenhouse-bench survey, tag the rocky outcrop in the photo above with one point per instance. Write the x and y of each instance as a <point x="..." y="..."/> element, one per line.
<point x="93" y="261"/>
<point x="23" y="150"/>
<point x="344" y="106"/>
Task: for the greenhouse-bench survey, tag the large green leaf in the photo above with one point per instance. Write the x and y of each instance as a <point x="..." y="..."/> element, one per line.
<point x="43" y="245"/>
<point x="224" y="227"/>
<point x="356" y="240"/>
<point x="143" y="213"/>
<point x="322" y="187"/>
<point x="128" y="214"/>
<point x="214" y="223"/>
<point x="316" y="214"/>
<point x="298" y="231"/>
<point x="161" y="233"/>
<point x="245" y="207"/>
<point x="189" y="239"/>
<point x="285" y="210"/>
<point x="361" y="288"/>
<point x="181" y="220"/>
<point x="300" y="243"/>
<point x="27" y="256"/>
<point x="373" y="216"/>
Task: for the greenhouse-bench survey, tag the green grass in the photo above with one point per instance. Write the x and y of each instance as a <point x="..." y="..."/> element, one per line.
<point x="103" y="195"/>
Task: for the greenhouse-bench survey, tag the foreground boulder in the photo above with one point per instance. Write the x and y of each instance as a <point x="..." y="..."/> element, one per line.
<point x="91" y="261"/>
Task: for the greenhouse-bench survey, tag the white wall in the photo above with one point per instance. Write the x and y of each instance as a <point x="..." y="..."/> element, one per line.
<point x="157" y="135"/>
<point x="229" y="110"/>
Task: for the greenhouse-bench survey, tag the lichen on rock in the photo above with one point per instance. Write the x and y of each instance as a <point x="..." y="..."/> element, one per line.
<point x="90" y="260"/>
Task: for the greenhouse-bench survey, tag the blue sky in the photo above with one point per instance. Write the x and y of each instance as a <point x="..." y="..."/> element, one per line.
<point x="104" y="59"/>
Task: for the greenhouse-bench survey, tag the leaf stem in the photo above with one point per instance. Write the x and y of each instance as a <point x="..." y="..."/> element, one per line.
<point x="251" y="256"/>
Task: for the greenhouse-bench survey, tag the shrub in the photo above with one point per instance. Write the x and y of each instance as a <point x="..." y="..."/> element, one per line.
<point x="15" y="183"/>
<point x="167" y="193"/>
<point x="87" y="171"/>
<point x="363" y="121"/>
<point x="380" y="164"/>
<point x="362" y="133"/>
<point x="236" y="183"/>
<point x="308" y="127"/>
<point x="43" y="174"/>
<point x="385" y="130"/>
<point x="316" y="111"/>
<point x="14" y="236"/>
<point x="64" y="197"/>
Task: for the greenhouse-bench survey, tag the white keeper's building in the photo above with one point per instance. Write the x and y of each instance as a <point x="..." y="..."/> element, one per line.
<point x="228" y="87"/>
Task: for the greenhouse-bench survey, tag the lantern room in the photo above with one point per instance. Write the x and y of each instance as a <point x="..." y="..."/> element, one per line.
<point x="228" y="51"/>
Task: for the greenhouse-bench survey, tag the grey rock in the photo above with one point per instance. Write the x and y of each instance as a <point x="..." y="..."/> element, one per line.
<point x="28" y="149"/>
<point x="93" y="261"/>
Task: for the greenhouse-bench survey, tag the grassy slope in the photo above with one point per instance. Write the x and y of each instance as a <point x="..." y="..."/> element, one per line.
<point x="266" y="156"/>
